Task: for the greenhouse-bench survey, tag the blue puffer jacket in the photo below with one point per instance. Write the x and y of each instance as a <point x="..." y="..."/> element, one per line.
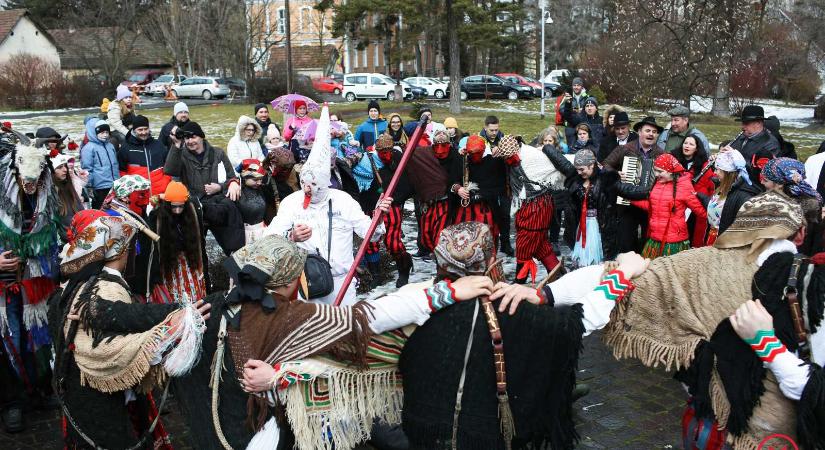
<point x="99" y="158"/>
<point x="368" y="131"/>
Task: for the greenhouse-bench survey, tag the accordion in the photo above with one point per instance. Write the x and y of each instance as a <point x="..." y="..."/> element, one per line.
<point x="636" y="171"/>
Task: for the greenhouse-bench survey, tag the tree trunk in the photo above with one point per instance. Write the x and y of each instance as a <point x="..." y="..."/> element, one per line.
<point x="721" y="95"/>
<point x="418" y="61"/>
<point x="455" y="63"/>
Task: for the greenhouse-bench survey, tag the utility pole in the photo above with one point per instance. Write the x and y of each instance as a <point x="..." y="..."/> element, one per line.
<point x="288" y="48"/>
<point x="544" y="19"/>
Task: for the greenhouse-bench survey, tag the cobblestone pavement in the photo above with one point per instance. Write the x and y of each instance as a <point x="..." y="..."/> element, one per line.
<point x="629" y="407"/>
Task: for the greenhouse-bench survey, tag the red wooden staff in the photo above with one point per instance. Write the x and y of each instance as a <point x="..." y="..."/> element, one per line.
<point x="378" y="215"/>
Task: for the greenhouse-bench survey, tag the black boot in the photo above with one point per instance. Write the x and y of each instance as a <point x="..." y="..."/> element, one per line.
<point x="404" y="264"/>
<point x="517" y="279"/>
<point x="506" y="248"/>
<point x="375" y="271"/>
<point x="422" y="253"/>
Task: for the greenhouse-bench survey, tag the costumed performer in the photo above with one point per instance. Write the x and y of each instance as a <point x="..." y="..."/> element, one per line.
<point x="321" y="220"/>
<point x="111" y="351"/>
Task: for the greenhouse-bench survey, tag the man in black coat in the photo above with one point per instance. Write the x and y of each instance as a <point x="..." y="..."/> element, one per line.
<point x="180" y="116"/>
<point x="756" y="141"/>
<point x="622" y="135"/>
<point x="141" y="154"/>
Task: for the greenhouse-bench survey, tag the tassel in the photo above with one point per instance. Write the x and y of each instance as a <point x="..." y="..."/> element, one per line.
<point x="529" y="268"/>
<point x="188" y="336"/>
<point x="505" y="414"/>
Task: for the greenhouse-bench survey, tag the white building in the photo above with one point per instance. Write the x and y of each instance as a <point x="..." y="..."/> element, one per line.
<point x="20" y="34"/>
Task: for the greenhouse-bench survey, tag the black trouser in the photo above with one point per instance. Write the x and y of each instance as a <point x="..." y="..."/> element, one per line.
<point x="501" y="215"/>
<point x="100" y="195"/>
<point x="630" y="220"/>
<point x="417" y="207"/>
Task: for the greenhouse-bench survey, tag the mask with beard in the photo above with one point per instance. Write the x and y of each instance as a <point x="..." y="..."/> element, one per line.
<point x="385" y="155"/>
<point x="475" y="158"/>
<point x="138" y="201"/>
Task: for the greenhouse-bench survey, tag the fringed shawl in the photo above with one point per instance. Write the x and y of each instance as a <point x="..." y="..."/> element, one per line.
<point x="116" y="362"/>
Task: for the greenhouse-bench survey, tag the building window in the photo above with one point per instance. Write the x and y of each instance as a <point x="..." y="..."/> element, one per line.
<point x="281" y="28"/>
<point x="364" y="59"/>
<point x="375" y="56"/>
<point x="305" y="19"/>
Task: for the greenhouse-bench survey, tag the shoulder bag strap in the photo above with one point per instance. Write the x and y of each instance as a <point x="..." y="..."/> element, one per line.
<point x="329" y="231"/>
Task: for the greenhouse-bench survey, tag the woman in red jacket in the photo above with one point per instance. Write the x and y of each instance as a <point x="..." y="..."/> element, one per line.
<point x="671" y="195"/>
<point x="693" y="156"/>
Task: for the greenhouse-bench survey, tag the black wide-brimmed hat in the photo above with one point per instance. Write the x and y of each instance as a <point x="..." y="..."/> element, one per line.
<point x="621" y="118"/>
<point x="752" y="113"/>
<point x="649" y="120"/>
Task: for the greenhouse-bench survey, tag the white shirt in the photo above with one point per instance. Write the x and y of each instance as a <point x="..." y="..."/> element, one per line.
<point x="347" y="218"/>
<point x="813" y="168"/>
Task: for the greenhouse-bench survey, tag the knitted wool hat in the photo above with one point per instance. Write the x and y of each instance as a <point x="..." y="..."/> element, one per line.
<point x="258" y="107"/>
<point x="194" y="128"/>
<point x="101" y="126"/>
<point x="450" y="122"/>
<point x="765" y="217"/>
<point x="373" y="104"/>
<point x="140" y="121"/>
<point x="176" y="192"/>
<point x="252" y="168"/>
<point x="122" y="92"/>
<point x="180" y="107"/>
<point x="296" y="104"/>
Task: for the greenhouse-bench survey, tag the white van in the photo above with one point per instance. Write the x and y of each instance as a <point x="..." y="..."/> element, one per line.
<point x="371" y="85"/>
<point x="556" y="76"/>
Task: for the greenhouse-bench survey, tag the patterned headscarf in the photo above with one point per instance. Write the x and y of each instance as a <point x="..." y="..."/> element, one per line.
<point x="791" y="173"/>
<point x="384" y="142"/>
<point x="584" y="158"/>
<point x="765" y="217"/>
<point x="669" y="163"/>
<point x="464" y="249"/>
<point x="125" y="185"/>
<point x="94" y="236"/>
<point x="268" y="263"/>
<point x="733" y="161"/>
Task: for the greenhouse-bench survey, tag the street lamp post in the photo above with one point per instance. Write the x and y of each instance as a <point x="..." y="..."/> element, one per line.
<point x="545" y="18"/>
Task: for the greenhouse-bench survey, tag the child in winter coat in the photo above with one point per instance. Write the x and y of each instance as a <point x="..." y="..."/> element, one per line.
<point x="671" y="195"/>
<point x="245" y="143"/>
<point x="119" y="116"/>
<point x="99" y="158"/>
<point x="300" y="120"/>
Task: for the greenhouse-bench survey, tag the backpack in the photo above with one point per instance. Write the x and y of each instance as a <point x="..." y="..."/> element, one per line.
<point x="559" y="118"/>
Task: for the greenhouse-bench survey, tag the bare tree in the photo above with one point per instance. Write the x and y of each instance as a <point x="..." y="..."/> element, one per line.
<point x="177" y="23"/>
<point x="455" y="60"/>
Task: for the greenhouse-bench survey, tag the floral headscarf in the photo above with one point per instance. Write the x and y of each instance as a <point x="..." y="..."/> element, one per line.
<point x="94" y="236"/>
<point x="464" y="249"/>
<point x="790" y="173"/>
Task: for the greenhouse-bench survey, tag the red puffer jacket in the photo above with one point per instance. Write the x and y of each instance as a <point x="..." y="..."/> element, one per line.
<point x="666" y="213"/>
<point x="703" y="186"/>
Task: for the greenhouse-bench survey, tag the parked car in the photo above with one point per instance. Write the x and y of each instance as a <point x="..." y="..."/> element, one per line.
<point x="206" y="87"/>
<point x="327" y="84"/>
<point x="237" y="86"/>
<point x="484" y="85"/>
<point x="337" y="76"/>
<point x="158" y="87"/>
<point x="142" y="78"/>
<point x="435" y="88"/>
<point x="372" y="85"/>
<point x="537" y="88"/>
<point x="417" y="91"/>
<point x="553" y="80"/>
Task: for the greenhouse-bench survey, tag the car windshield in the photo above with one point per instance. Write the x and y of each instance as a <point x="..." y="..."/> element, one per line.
<point x="137" y="77"/>
<point x="164" y="78"/>
<point x="530" y="80"/>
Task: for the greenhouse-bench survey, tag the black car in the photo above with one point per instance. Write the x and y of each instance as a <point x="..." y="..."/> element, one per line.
<point x="492" y="86"/>
<point x="236" y="85"/>
<point x="418" y="91"/>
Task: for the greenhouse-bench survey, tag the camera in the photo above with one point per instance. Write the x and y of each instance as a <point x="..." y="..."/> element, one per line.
<point x="181" y="134"/>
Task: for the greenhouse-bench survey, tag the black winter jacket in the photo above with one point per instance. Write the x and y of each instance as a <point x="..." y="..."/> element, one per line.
<point x="739" y="193"/>
<point x="606" y="186"/>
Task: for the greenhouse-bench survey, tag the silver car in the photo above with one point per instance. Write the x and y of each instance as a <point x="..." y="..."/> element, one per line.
<point x="205" y="87"/>
<point x="158" y="87"/>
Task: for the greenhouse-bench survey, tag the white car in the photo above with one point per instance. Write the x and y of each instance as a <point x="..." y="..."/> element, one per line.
<point x="158" y="87"/>
<point x="371" y="85"/>
<point x="435" y="88"/>
<point x="206" y="87"/>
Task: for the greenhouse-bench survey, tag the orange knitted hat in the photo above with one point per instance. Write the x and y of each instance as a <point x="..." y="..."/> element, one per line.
<point x="176" y="192"/>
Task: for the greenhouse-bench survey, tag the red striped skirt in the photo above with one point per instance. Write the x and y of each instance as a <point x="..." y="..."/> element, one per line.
<point x="392" y="237"/>
<point x="532" y="223"/>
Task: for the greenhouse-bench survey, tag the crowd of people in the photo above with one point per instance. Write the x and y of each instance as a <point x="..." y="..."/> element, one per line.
<point x="104" y="272"/>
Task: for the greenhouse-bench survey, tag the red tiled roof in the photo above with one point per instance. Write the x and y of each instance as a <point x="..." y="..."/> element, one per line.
<point x="8" y="19"/>
<point x="303" y="57"/>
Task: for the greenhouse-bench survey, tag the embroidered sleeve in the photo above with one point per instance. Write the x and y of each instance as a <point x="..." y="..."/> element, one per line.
<point x="791" y="372"/>
<point x="614" y="286"/>
<point x="597" y="302"/>
<point x="440" y="295"/>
